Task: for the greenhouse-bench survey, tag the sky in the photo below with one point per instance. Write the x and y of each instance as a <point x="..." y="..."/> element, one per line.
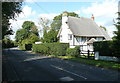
<point x="104" y="12"/>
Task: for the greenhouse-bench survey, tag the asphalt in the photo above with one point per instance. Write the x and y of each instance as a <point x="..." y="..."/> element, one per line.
<point x="20" y="65"/>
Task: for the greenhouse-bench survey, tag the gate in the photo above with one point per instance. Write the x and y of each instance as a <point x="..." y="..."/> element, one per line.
<point x="86" y="51"/>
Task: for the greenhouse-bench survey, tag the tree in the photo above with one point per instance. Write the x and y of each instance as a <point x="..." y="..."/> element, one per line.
<point x="28" y="25"/>
<point x="21" y="34"/>
<point x="57" y="21"/>
<point x="28" y="33"/>
<point x="44" y="24"/>
<point x="50" y="37"/>
<point x="9" y="11"/>
<point x="116" y="38"/>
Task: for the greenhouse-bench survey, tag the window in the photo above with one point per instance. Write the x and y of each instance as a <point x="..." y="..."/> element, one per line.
<point x="60" y="37"/>
<point x="70" y="36"/>
<point x="83" y="39"/>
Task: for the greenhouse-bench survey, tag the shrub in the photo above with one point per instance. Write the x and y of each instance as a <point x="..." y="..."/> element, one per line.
<point x="74" y="52"/>
<point x="51" y="48"/>
<point x="8" y="44"/>
<point x="105" y="48"/>
<point x="40" y="48"/>
<point x="59" y="49"/>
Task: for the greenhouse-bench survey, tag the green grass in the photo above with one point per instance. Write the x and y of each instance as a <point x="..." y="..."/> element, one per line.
<point x="98" y="63"/>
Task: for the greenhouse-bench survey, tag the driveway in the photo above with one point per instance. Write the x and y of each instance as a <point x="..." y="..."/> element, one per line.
<point x="22" y="66"/>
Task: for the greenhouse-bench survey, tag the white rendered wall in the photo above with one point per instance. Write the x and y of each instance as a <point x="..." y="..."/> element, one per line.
<point x="65" y="31"/>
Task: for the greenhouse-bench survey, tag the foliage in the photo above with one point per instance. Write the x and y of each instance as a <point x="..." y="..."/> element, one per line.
<point x="50" y="48"/>
<point x="28" y="34"/>
<point x="50" y="37"/>
<point x="7" y="43"/>
<point x="105" y="48"/>
<point x="21" y="34"/>
<point x="44" y="23"/>
<point x="110" y="48"/>
<point x="27" y="25"/>
<point x="74" y="52"/>
<point x="9" y="11"/>
<point x="58" y="49"/>
<point x="116" y="39"/>
<point x="57" y="21"/>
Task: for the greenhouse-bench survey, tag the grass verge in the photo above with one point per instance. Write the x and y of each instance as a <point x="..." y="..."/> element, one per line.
<point x="98" y="63"/>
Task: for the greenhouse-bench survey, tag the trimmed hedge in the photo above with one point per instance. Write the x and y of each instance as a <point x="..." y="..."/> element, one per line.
<point x="74" y="52"/>
<point x="8" y="44"/>
<point x="105" y="48"/>
<point x="51" y="48"/>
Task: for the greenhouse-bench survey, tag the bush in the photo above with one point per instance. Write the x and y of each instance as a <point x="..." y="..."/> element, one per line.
<point x="51" y="48"/>
<point x="40" y="48"/>
<point x="74" y="52"/>
<point x="105" y="48"/>
<point x="8" y="44"/>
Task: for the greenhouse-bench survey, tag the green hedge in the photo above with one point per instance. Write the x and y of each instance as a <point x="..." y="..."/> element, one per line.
<point x="51" y="48"/>
<point x="105" y="48"/>
<point x="8" y="44"/>
<point x="74" y="52"/>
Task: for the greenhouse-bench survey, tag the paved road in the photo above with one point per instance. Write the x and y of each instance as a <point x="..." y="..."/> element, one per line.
<point x="22" y="66"/>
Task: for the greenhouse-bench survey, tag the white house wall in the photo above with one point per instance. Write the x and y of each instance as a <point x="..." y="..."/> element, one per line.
<point x="78" y="41"/>
<point x="65" y="31"/>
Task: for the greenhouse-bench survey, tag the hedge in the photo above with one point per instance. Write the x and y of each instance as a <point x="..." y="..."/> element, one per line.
<point x="51" y="48"/>
<point x="105" y="48"/>
<point x="8" y="44"/>
<point x="74" y="52"/>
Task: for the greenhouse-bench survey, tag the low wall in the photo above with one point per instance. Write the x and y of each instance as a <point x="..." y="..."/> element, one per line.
<point x="106" y="58"/>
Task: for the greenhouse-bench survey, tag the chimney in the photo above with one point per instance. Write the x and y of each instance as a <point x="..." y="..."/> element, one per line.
<point x="64" y="17"/>
<point x="65" y="13"/>
<point x="92" y="17"/>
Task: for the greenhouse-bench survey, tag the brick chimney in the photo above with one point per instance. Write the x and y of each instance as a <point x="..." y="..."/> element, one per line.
<point x="92" y="17"/>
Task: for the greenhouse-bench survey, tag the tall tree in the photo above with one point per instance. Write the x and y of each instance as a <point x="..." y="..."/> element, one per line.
<point x="29" y="32"/>
<point x="9" y="11"/>
<point x="117" y="36"/>
<point x="50" y="36"/>
<point x="57" y="21"/>
<point x="21" y="34"/>
<point x="44" y="24"/>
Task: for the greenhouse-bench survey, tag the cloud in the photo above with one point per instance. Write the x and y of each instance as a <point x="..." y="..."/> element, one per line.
<point x="107" y="8"/>
<point x="77" y="12"/>
<point x="48" y="16"/>
<point x="27" y="12"/>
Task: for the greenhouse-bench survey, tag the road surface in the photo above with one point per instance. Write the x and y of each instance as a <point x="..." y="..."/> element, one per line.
<point x="22" y="66"/>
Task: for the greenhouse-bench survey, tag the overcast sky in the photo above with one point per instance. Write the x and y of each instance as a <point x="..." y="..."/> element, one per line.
<point x="104" y="11"/>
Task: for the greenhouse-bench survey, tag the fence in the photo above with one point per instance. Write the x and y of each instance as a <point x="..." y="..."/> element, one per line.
<point x="86" y="51"/>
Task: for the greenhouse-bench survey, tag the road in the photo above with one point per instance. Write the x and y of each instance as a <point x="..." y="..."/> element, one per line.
<point x="22" y="66"/>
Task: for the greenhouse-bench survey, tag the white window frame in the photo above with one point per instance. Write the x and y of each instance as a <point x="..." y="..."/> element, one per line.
<point x="69" y="36"/>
